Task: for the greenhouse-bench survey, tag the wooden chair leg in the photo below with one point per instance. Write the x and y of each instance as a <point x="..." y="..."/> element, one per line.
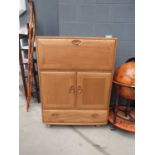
<point x="28" y="103"/>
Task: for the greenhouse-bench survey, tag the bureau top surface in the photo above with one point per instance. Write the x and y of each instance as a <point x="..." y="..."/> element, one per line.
<point x="76" y="52"/>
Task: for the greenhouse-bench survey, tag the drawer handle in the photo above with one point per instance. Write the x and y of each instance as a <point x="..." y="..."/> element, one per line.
<point x="54" y="114"/>
<point x="72" y="89"/>
<point x="76" y="42"/>
<point x="95" y="115"/>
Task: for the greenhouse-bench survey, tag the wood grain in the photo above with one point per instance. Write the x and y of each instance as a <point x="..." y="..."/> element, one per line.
<point x="95" y="90"/>
<point x="65" y="54"/>
<point x="75" y="116"/>
<point x="75" y="75"/>
<point x="58" y="89"/>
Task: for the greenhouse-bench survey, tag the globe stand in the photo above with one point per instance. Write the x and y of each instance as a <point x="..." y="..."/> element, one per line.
<point x="123" y="116"/>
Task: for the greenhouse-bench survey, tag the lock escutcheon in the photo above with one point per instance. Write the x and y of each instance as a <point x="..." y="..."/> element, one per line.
<point x="76" y="42"/>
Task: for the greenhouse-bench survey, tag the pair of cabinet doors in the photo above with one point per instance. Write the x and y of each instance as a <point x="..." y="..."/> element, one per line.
<point x="75" y="90"/>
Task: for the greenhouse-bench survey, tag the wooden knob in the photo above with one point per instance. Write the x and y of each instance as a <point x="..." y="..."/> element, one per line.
<point x="79" y="89"/>
<point x="72" y="89"/>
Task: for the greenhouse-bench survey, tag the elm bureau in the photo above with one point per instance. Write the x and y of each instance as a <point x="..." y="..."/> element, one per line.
<point x="75" y="76"/>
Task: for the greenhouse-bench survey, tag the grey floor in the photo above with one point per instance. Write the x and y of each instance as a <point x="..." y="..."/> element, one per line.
<point x="38" y="139"/>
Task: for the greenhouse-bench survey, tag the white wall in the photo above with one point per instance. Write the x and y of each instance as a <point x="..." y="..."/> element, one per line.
<point x="22" y="6"/>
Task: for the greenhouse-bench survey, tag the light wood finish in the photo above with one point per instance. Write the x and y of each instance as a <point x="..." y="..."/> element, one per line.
<point x="93" y="90"/>
<point x="58" y="89"/>
<point x="75" y="116"/>
<point x="75" y="75"/>
<point x="76" y="53"/>
<point x="31" y="76"/>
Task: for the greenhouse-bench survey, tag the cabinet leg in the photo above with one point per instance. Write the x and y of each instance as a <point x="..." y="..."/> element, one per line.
<point x="98" y="125"/>
<point x="48" y="125"/>
<point x="112" y="127"/>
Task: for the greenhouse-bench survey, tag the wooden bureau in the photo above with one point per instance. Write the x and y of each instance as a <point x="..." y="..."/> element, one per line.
<point x="75" y="75"/>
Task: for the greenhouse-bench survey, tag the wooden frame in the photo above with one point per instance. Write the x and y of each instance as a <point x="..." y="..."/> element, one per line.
<point x="72" y="55"/>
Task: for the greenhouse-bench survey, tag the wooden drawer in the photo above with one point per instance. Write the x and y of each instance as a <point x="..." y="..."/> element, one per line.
<point x="76" y="53"/>
<point x="87" y="117"/>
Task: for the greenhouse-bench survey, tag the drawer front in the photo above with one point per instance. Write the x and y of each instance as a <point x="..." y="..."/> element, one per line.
<point x="77" y="53"/>
<point x="75" y="116"/>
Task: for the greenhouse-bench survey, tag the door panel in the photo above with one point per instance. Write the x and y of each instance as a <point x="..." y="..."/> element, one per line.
<point x="57" y="89"/>
<point x="93" y="90"/>
<point x="77" y="53"/>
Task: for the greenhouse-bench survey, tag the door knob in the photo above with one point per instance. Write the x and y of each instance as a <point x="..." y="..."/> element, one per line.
<point x="72" y="89"/>
<point x="79" y="89"/>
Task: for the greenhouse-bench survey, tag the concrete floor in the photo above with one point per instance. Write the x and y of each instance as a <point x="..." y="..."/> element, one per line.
<point x="38" y="139"/>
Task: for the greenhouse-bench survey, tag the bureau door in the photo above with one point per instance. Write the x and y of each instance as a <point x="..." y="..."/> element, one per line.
<point x="57" y="89"/>
<point x="93" y="90"/>
<point x="76" y="53"/>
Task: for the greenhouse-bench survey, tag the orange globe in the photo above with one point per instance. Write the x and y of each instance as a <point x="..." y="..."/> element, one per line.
<point x="126" y="74"/>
